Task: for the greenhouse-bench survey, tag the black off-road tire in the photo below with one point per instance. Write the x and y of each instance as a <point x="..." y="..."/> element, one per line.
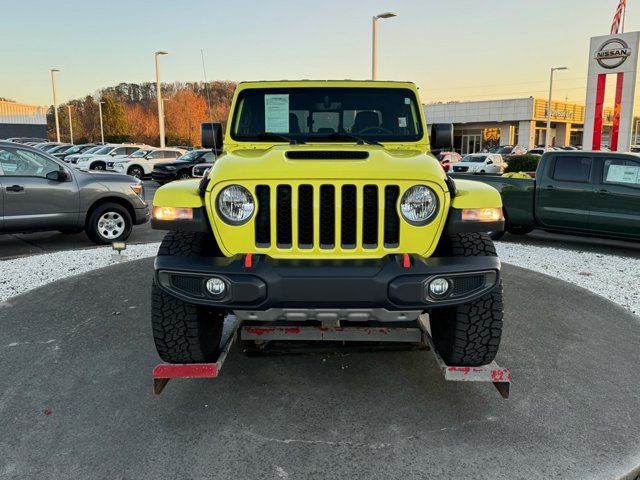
<point x="518" y="230"/>
<point x="468" y="335"/>
<point x="183" y="332"/>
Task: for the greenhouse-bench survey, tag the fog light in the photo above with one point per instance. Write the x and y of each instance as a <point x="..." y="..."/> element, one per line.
<point x="439" y="287"/>
<point x="216" y="286"/>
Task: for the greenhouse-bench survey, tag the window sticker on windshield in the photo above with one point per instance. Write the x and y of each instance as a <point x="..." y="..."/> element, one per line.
<point x="402" y="122"/>
<point x="276" y="113"/>
<point x="407" y="101"/>
<point x="623" y="174"/>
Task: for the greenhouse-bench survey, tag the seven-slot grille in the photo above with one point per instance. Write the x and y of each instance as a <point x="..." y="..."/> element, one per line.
<point x="326" y="216"/>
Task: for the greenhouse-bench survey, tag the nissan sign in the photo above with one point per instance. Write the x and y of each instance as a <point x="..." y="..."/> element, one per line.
<point x="613" y="53"/>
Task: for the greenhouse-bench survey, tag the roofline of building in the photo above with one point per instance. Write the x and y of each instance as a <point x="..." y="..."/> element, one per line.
<point x="24" y="104"/>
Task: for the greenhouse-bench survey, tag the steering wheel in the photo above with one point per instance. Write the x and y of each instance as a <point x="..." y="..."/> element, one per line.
<point x="379" y="130"/>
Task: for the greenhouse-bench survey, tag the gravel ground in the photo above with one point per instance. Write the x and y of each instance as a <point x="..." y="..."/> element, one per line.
<point x="26" y="273"/>
<point x="613" y="277"/>
<point x="610" y="276"/>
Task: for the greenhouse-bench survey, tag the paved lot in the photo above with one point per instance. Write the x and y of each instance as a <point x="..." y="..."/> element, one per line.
<point x="33" y="243"/>
<point x="76" y="400"/>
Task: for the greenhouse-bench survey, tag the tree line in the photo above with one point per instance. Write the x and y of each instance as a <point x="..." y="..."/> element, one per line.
<point x="130" y="113"/>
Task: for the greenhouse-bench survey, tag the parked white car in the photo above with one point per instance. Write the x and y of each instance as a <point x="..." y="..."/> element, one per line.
<point x="480" y="163"/>
<point x="73" y="158"/>
<point x="141" y="163"/>
<point x="98" y="160"/>
<point x="511" y="150"/>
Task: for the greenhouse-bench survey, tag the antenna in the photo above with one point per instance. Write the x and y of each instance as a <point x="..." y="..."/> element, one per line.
<point x="206" y="89"/>
<point x="206" y="85"/>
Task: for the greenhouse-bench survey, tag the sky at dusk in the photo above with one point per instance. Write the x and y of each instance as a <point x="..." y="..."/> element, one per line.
<point x="453" y="50"/>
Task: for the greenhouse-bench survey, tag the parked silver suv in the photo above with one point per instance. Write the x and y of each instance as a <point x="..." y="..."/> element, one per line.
<point x="40" y="192"/>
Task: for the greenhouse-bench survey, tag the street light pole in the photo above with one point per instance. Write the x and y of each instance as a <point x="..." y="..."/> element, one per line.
<point x="55" y="102"/>
<point x="159" y="96"/>
<point x="547" y="141"/>
<point x="101" y="124"/>
<point x="70" y="125"/>
<point x="374" y="42"/>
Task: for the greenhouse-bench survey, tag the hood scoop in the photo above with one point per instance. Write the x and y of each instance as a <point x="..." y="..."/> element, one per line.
<point x="327" y="155"/>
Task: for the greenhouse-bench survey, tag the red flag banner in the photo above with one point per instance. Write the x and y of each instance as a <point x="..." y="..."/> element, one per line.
<point x="618" y="18"/>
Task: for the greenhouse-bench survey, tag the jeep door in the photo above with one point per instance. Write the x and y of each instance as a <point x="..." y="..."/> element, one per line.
<point x="615" y="204"/>
<point x="563" y="192"/>
<point x="31" y="201"/>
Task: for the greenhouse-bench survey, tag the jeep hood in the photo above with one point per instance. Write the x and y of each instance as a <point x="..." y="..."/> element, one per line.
<point x="330" y="162"/>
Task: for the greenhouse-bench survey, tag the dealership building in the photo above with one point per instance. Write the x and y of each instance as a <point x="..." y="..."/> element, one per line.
<point x="520" y="121"/>
<point x="22" y="120"/>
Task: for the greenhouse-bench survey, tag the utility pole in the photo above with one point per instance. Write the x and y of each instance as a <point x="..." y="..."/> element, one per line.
<point x="159" y="95"/>
<point x="547" y="141"/>
<point x="101" y="124"/>
<point x="70" y="125"/>
<point x="55" y="102"/>
<point x="374" y="43"/>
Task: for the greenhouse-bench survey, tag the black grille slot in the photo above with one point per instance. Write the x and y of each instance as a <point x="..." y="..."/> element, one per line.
<point x="327" y="216"/>
<point x="370" y="216"/>
<point x="305" y="216"/>
<point x="187" y="283"/>
<point x="283" y="216"/>
<point x="391" y="218"/>
<point x="263" y="217"/>
<point x="327" y="155"/>
<point x="463" y="285"/>
<point x="348" y="217"/>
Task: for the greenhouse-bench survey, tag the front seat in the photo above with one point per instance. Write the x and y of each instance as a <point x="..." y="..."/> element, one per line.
<point x="294" y="125"/>
<point x="366" y="119"/>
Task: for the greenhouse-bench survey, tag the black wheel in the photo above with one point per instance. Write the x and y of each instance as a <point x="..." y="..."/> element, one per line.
<point x="468" y="335"/>
<point x="97" y="166"/>
<point x="183" y="332"/>
<point x="183" y="175"/>
<point x="135" y="171"/>
<point x="518" y="230"/>
<point x="109" y="223"/>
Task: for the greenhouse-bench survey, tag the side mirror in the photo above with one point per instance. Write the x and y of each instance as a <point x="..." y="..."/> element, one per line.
<point x="441" y="136"/>
<point x="211" y="136"/>
<point x="58" y="176"/>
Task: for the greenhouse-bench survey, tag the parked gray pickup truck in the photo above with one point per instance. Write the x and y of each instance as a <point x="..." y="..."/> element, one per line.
<point x="575" y="192"/>
<point x="39" y="192"/>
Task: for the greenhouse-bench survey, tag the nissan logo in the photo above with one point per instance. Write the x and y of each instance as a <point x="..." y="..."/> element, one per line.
<point x="613" y="53"/>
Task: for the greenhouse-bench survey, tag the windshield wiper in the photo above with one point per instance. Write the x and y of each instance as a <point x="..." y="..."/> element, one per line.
<point x="272" y="135"/>
<point x="359" y="140"/>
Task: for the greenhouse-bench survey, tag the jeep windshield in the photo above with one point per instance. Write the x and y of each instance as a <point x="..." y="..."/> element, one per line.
<point x="327" y="115"/>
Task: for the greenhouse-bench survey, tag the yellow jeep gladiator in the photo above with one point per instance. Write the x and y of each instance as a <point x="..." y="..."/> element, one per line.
<point x="325" y="206"/>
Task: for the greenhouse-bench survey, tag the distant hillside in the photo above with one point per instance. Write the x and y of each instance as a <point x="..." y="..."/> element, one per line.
<point x="130" y="112"/>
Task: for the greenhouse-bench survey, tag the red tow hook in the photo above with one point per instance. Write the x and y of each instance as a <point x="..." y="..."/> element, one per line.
<point x="406" y="260"/>
<point x="248" y="260"/>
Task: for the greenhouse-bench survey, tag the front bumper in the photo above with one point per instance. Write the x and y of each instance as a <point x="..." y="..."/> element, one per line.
<point x="142" y="215"/>
<point x="378" y="283"/>
<point x="163" y="176"/>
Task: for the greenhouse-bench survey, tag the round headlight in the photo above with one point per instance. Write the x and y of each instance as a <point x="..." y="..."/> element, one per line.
<point x="419" y="204"/>
<point x="235" y="204"/>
